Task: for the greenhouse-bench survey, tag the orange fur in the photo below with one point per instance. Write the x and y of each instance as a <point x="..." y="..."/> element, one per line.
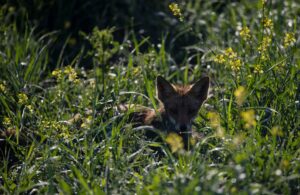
<point x="182" y="89"/>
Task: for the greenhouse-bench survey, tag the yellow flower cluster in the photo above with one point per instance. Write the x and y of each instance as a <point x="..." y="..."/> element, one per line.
<point x="258" y="69"/>
<point x="215" y="122"/>
<point x="268" y="23"/>
<point x="87" y="122"/>
<point x="249" y="118"/>
<point x="58" y="74"/>
<point x="9" y="129"/>
<point x="264" y="46"/>
<point x="235" y="64"/>
<point x="54" y="125"/>
<point x="289" y="40"/>
<point x="220" y="58"/>
<point x="240" y="95"/>
<point x="2" y="88"/>
<point x="175" y="141"/>
<point x="6" y="121"/>
<point x="176" y="10"/>
<point x="30" y="108"/>
<point x="230" y="57"/>
<point x="68" y="71"/>
<point x="72" y="75"/>
<point x="285" y="163"/>
<point x="23" y="98"/>
<point x="214" y="119"/>
<point x="230" y="53"/>
<point x="245" y="33"/>
<point x="276" y="131"/>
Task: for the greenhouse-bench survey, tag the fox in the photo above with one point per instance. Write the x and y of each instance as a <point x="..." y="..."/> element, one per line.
<point x="179" y="106"/>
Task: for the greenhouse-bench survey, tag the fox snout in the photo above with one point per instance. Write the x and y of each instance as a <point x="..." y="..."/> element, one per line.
<point x="180" y="126"/>
<point x="180" y="121"/>
<point x="184" y="127"/>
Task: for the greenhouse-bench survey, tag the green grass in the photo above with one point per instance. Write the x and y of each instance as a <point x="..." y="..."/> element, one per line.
<point x="66" y="137"/>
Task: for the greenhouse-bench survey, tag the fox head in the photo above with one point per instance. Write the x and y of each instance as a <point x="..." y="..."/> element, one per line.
<point x="182" y="103"/>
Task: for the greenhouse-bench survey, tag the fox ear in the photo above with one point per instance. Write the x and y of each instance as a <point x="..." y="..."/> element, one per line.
<point x="164" y="88"/>
<point x="200" y="89"/>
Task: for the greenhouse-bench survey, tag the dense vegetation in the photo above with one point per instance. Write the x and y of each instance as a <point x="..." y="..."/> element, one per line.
<point x="65" y="65"/>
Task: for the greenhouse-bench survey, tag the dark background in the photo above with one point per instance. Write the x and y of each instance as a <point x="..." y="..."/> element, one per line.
<point x="138" y="18"/>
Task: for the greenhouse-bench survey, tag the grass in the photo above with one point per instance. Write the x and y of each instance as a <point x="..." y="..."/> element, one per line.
<point x="60" y="133"/>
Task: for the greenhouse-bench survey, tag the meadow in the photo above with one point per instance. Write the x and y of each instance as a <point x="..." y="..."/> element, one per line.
<point x="64" y="66"/>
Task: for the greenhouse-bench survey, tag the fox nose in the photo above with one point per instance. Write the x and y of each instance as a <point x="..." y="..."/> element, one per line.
<point x="183" y="127"/>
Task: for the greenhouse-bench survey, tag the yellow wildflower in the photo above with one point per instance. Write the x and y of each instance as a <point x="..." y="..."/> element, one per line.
<point x="6" y="121"/>
<point x="235" y="64"/>
<point x="214" y="119"/>
<point x="87" y="122"/>
<point x="249" y="118"/>
<point x="230" y="53"/>
<point x="264" y="44"/>
<point x="258" y="69"/>
<point x="289" y="40"/>
<point x="219" y="59"/>
<point x="22" y="98"/>
<point x="263" y="47"/>
<point x="215" y="122"/>
<point x="193" y="141"/>
<point x="72" y="75"/>
<point x="233" y="190"/>
<point x="240" y="95"/>
<point x="268" y="23"/>
<point x="176" y="10"/>
<point x="245" y="33"/>
<point x="136" y="70"/>
<point x="68" y="70"/>
<point x="64" y="135"/>
<point x="30" y="108"/>
<point x="175" y="141"/>
<point x="284" y="164"/>
<point x="276" y="131"/>
<point x="2" y="88"/>
<point x="264" y="56"/>
<point x="57" y="73"/>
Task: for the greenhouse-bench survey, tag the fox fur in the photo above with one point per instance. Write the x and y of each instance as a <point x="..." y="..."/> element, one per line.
<point x="179" y="105"/>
